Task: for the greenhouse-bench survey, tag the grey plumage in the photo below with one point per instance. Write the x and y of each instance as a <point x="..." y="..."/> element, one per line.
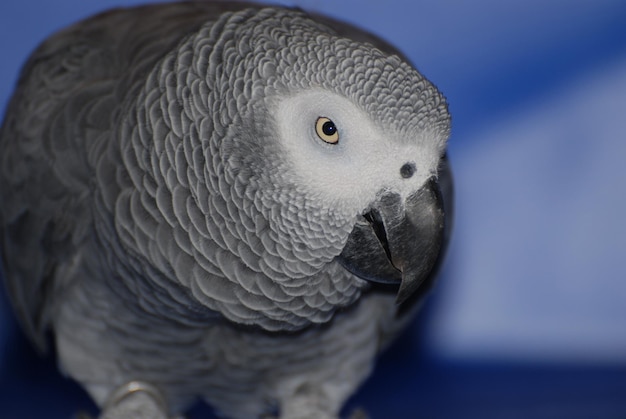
<point x="161" y="217"/>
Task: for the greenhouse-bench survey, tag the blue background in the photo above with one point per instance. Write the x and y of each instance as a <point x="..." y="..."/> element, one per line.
<point x="529" y="319"/>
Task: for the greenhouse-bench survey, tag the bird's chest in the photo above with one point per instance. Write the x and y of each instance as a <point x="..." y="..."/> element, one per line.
<point x="103" y="344"/>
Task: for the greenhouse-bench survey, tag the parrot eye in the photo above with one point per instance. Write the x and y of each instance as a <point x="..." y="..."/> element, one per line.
<point x="326" y="130"/>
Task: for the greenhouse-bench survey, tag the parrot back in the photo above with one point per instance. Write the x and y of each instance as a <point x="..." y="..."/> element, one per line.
<point x="65" y="107"/>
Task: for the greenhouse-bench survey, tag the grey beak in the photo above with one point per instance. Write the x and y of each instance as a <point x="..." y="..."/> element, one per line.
<point x="398" y="241"/>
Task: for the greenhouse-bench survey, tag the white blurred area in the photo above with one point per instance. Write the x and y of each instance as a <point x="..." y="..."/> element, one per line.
<point x="539" y="253"/>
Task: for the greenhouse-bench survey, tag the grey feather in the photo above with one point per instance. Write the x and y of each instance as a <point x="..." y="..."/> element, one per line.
<point x="150" y="219"/>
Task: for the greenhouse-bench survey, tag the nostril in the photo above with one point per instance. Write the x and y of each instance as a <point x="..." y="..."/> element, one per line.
<point x="407" y="170"/>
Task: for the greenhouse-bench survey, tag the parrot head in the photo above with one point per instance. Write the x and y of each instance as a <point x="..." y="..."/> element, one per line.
<point x="363" y="138"/>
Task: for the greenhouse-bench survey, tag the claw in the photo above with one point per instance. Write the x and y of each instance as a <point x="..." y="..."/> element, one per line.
<point x="359" y="413"/>
<point x="135" y="399"/>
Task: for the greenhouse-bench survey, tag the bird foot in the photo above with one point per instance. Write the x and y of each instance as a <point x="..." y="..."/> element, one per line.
<point x="359" y="413"/>
<point x="136" y="400"/>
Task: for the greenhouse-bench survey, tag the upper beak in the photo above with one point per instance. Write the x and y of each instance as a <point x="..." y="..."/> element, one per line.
<point x="398" y="241"/>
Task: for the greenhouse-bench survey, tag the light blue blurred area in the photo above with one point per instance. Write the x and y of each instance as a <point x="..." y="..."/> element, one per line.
<point x="537" y="91"/>
<point x="538" y="267"/>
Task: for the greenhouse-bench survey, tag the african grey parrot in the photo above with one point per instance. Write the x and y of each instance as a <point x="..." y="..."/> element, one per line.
<point x="221" y="200"/>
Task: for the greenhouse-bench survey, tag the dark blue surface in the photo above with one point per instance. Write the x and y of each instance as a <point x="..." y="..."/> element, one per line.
<point x="410" y="381"/>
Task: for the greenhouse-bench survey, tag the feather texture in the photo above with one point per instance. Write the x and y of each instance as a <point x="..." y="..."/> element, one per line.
<point x="150" y="218"/>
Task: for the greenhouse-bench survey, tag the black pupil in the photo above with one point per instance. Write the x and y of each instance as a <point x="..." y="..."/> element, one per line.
<point x="329" y="128"/>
